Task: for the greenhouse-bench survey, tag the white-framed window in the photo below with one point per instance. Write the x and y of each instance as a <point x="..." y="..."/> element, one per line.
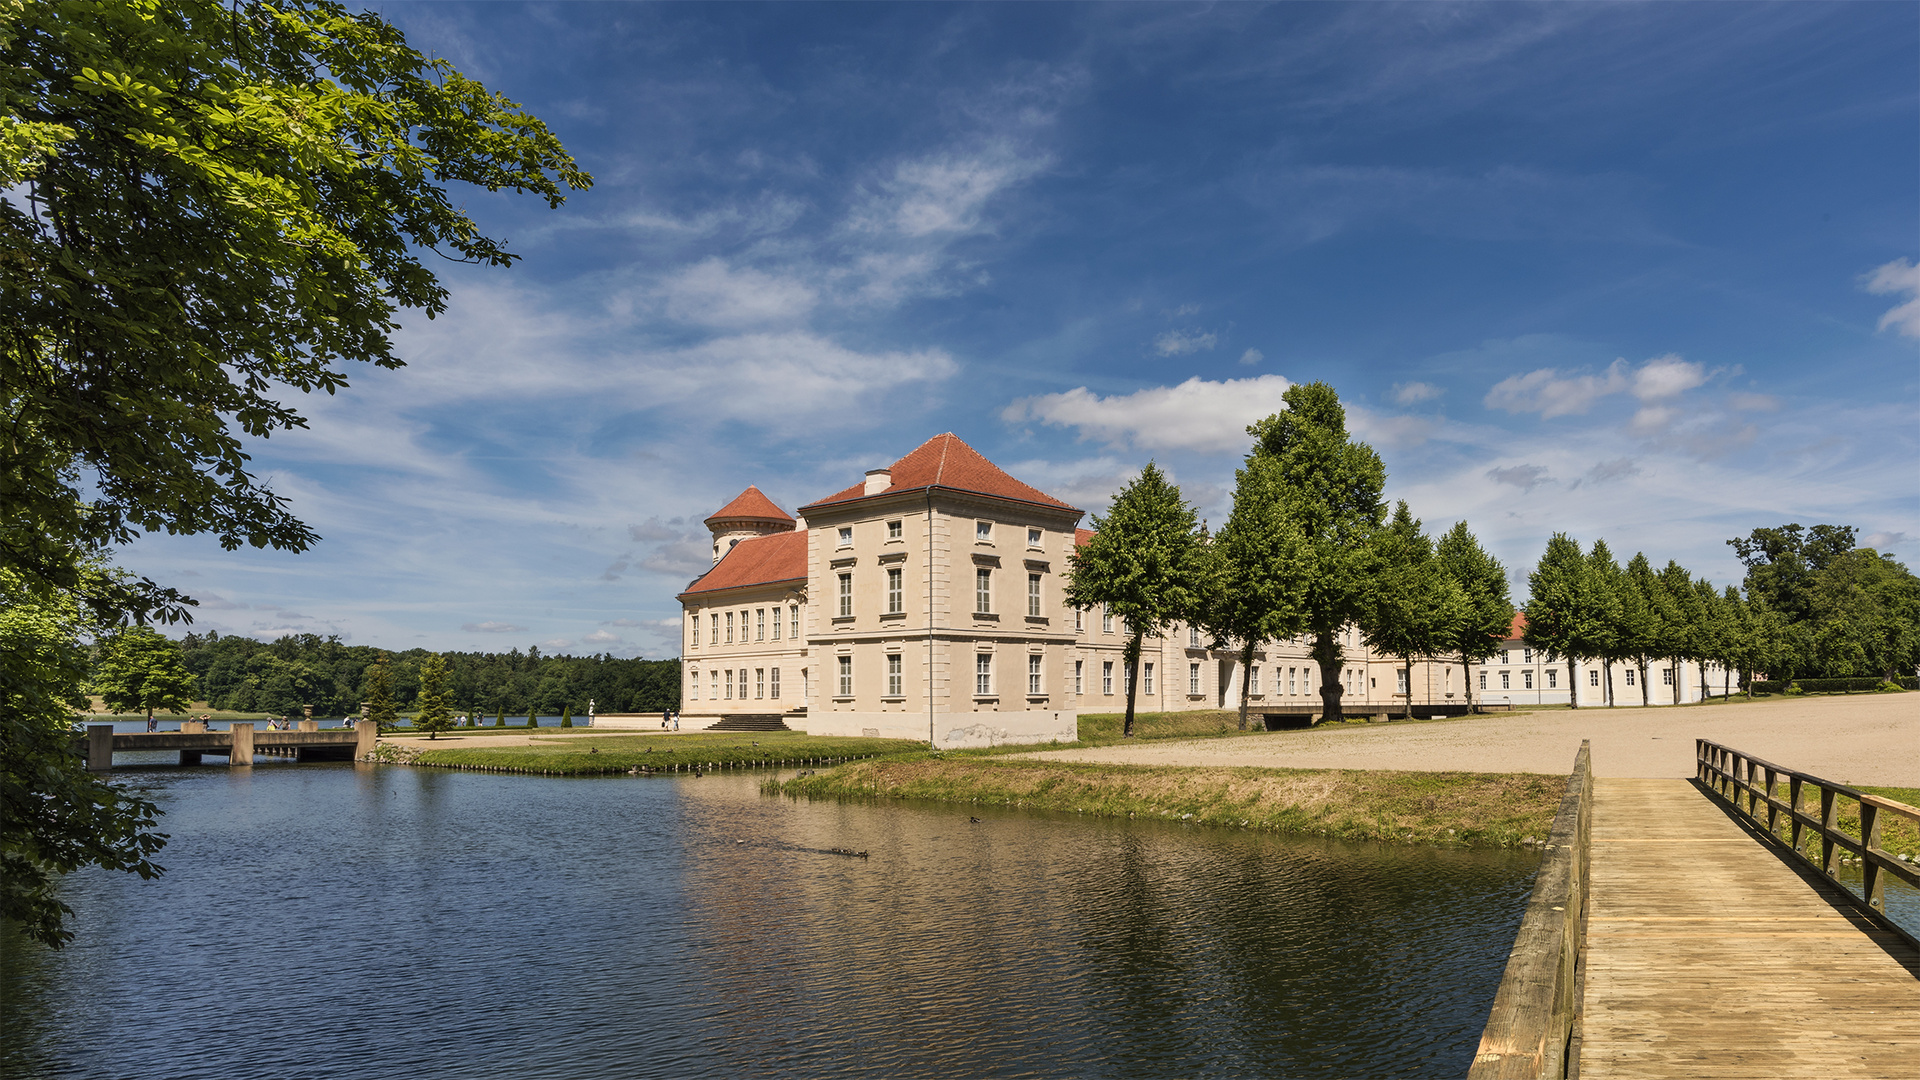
<point x="1106" y="677"/>
<point x="1593" y="677"/>
<point x="983" y="532"/>
<point x="1193" y="678"/>
<point x="1553" y="678"/>
<point x="773" y="683"/>
<point x="896" y="591"/>
<point x="1193" y="637"/>
<point x="729" y="627"/>
<point x="696" y="631"/>
<point x="1146" y="679"/>
<point x="728" y="680"/>
<point x="1033" y="538"/>
<point x="1526" y="680"/>
<point x="1106" y="618"/>
<point x="1253" y="679"/>
<point x="743" y="684"/>
<point x="776" y="624"/>
<point x="1483" y="680"/>
<point x="982" y="590"/>
<point x="793" y="624"/>
<point x="760" y="624"/>
<point x="1306" y="680"/>
<point x="1503" y="681"/>
<point x="1033" y="594"/>
<point x="759" y="683"/>
<point x="1400" y="680"/>
<point x="893" y="530"/>
<point x="846" y="596"/>
<point x="1666" y="676"/>
<point x="982" y="674"/>
<point x="1033" y="674"/>
<point x="693" y="685"/>
<point x="1503" y="657"/>
<point x="1526" y="656"/>
<point x="846" y="536"/>
<point x="713" y="685"/>
<point x="846" y="676"/>
<point x="714" y="625"/>
<point x="1291" y="676"/>
<point x="1079" y="677"/>
<point x="1079" y="620"/>
<point x="893" y="675"/>
<point x="1629" y="676"/>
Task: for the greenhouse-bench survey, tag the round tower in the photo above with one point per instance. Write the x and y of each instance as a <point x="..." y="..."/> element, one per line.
<point x="750" y="514"/>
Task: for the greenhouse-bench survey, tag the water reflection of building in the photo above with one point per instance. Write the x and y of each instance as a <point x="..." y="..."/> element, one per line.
<point x="928" y="602"/>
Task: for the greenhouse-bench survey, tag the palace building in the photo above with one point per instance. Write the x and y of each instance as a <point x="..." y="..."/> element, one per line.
<point x="928" y="601"/>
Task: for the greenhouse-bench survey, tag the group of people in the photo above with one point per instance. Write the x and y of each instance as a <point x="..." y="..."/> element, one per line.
<point x="670" y="720"/>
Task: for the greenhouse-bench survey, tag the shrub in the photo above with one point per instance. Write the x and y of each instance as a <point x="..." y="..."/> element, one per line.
<point x="533" y="718"/>
<point x="566" y="716"/>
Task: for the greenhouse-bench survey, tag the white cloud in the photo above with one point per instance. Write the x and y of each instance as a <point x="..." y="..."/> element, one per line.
<point x="1524" y="477"/>
<point x="603" y="637"/>
<point x="1252" y="357"/>
<point x="941" y="194"/>
<point x="711" y="293"/>
<point x="1415" y="392"/>
<point x="1666" y="377"/>
<point x="1202" y="415"/>
<point x="795" y="378"/>
<point x="1549" y="393"/>
<point x="1182" y="342"/>
<point x="1895" y="278"/>
<point x="1881" y="541"/>
<point x="557" y="643"/>
<point x="491" y="626"/>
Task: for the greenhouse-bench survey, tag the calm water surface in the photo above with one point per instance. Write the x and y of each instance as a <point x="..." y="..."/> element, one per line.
<point x="343" y="921"/>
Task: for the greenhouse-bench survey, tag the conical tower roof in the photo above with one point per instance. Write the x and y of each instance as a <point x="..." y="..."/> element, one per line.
<point x="751" y="505"/>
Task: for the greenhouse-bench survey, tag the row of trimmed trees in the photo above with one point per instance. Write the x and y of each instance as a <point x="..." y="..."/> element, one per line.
<point x="1310" y="550"/>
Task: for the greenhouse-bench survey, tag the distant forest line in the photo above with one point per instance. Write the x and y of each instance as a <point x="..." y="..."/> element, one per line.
<point x="283" y="676"/>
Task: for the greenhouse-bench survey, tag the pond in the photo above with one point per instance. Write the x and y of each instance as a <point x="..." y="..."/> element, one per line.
<point x="377" y="921"/>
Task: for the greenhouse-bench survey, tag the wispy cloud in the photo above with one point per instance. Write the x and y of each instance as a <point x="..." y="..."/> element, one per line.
<point x="1412" y="393"/>
<point x="491" y="626"/>
<point x="1897" y="278"/>
<point x="1199" y="414"/>
<point x="1182" y="342"/>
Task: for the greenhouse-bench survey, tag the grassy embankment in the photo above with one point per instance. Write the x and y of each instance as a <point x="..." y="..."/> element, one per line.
<point x="687" y="752"/>
<point x="1898" y="834"/>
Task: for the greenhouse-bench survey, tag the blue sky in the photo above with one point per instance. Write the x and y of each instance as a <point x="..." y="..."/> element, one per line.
<point x="1641" y="272"/>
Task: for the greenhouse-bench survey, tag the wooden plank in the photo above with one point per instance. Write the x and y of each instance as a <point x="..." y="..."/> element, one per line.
<point x="1707" y="956"/>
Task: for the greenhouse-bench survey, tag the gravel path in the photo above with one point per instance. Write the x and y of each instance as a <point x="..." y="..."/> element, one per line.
<point x="1864" y="739"/>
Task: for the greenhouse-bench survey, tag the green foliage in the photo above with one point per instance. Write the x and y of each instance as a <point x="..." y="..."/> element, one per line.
<point x="500" y="718"/>
<point x="1569" y="612"/>
<point x="533" y="718"/>
<point x="1415" y="608"/>
<point x="1487" y="610"/>
<point x="433" y="709"/>
<point x="1256" y="571"/>
<point x="1331" y="488"/>
<point x="1145" y="562"/>
<point x="214" y="204"/>
<point x="138" y="670"/>
<point x="55" y="816"/>
<point x="379" y="694"/>
<point x="566" y="717"/>
<point x="1841" y="611"/>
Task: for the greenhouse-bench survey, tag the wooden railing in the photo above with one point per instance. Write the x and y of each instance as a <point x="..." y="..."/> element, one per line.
<point x="1533" y="1027"/>
<point x="1747" y="782"/>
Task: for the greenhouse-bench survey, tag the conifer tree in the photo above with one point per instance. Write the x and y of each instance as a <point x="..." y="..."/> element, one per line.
<point x="433" y="714"/>
<point x="1145" y="562"/>
<point x="1330" y="486"/>
<point x="1487" y="615"/>
<point x="566" y="716"/>
<point x="1257" y="580"/>
<point x="379" y="695"/>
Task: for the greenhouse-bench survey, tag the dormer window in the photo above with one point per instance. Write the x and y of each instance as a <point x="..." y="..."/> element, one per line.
<point x="846" y="536"/>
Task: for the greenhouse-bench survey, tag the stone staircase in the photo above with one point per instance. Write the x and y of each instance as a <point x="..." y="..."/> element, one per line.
<point x="752" y="722"/>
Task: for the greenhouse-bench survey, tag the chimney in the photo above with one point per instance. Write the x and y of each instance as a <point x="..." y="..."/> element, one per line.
<point x="878" y="480"/>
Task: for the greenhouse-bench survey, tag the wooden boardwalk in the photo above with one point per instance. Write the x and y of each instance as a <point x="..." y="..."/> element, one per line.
<point x="1708" y="956"/>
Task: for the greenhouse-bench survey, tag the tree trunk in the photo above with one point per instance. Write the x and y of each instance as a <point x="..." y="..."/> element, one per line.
<point x="1573" y="682"/>
<point x="1646" y="691"/>
<point x="1408" y="715"/>
<point x="1246" y="665"/>
<point x="1466" y="665"/>
<point x="1326" y="653"/>
<point x="1132" y="660"/>
<point x="1679" y="678"/>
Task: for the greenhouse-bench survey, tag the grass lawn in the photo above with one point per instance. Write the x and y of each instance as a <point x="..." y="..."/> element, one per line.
<point x="1898" y="833"/>
<point x="619" y="753"/>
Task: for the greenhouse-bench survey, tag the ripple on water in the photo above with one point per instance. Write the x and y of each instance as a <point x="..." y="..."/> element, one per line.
<point x="329" y="921"/>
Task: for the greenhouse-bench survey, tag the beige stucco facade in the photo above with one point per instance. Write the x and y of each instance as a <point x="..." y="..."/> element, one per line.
<point x="929" y="602"/>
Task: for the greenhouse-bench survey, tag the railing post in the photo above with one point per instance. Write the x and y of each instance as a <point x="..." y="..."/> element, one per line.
<point x="1874" y="886"/>
<point x="1828" y="824"/>
<point x="1793" y="786"/>
<point x="1773" y="812"/>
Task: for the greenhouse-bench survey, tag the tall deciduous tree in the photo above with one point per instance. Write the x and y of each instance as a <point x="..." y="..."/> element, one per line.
<point x="1145" y="562"/>
<point x="139" y="669"/>
<point x="1415" y="607"/>
<point x="1567" y="616"/>
<point x="1640" y="627"/>
<point x="434" y="711"/>
<point x="1330" y="486"/>
<point x="1488" y="612"/>
<point x="1258" y="571"/>
<point x="378" y="695"/>
<point x="1679" y="623"/>
<point x="1609" y="581"/>
<point x="211" y="205"/>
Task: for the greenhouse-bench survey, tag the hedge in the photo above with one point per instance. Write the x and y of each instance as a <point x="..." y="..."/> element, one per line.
<point x="1835" y="686"/>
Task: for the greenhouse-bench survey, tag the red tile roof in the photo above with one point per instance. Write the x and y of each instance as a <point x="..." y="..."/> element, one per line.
<point x="945" y="461"/>
<point x="1519" y="626"/>
<point x="761" y="560"/>
<point x="750" y="505"/>
<point x="1081" y="537"/>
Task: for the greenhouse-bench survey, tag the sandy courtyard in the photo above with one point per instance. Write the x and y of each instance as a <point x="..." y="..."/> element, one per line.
<point x="1865" y="739"/>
